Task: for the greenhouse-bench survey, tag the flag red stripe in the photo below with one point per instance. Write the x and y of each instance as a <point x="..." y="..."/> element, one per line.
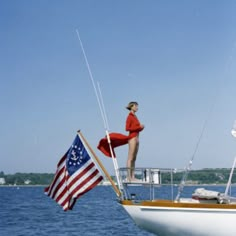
<point x="87" y="169"/>
<point x="62" y="160"/>
<point x="80" y="185"/>
<point x="92" y="185"/>
<point x="67" y="187"/>
<point x="59" y="185"/>
<point x="85" y="191"/>
<point x="85" y="182"/>
<point x="54" y="183"/>
<point x="57" y="175"/>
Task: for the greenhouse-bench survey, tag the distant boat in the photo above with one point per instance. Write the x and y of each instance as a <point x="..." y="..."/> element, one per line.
<point x="106" y="183"/>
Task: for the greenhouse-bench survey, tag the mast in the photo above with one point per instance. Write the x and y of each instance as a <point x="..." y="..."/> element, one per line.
<point x="103" y="113"/>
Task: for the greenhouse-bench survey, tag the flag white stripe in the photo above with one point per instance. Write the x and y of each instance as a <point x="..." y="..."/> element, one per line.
<point x="87" y="175"/>
<point x="77" y="182"/>
<point x="64" y="174"/>
<point x="78" y="172"/>
<point x="55" y="189"/>
<point x="58" y="180"/>
<point x="91" y="182"/>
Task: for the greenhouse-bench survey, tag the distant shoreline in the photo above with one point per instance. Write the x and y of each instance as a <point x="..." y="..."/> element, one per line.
<point x="30" y="185"/>
<point x="187" y="185"/>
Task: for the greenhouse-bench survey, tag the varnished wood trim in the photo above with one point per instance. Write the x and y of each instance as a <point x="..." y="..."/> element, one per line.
<point x="168" y="203"/>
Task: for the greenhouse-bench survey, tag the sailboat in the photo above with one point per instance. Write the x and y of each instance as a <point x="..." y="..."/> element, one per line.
<point x="206" y="213"/>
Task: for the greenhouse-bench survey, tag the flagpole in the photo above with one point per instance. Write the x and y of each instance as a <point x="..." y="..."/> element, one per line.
<point x="118" y="193"/>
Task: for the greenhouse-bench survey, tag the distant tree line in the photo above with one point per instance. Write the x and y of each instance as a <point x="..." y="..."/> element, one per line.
<point x="203" y="176"/>
<point x="27" y="178"/>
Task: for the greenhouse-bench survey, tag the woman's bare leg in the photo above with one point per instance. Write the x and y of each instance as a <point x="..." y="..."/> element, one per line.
<point x="133" y="150"/>
<point x="134" y="159"/>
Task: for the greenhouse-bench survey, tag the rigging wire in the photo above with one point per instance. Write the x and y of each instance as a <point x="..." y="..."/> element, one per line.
<point x="188" y="168"/>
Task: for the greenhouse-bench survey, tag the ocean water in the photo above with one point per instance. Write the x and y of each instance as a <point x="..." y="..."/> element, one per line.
<point x="27" y="211"/>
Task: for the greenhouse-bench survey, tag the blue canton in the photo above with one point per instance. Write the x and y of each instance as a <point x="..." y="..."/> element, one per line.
<point x="77" y="156"/>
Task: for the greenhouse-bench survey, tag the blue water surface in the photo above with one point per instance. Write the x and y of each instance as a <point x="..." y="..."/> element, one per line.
<point x="27" y="211"/>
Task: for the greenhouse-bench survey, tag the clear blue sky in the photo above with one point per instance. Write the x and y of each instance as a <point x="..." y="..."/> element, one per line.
<point x="176" y="58"/>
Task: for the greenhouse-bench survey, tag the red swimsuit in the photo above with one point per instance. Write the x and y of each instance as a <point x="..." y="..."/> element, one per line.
<point x="133" y="125"/>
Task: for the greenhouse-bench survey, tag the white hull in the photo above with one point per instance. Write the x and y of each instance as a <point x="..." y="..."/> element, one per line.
<point x="210" y="220"/>
<point x="206" y="213"/>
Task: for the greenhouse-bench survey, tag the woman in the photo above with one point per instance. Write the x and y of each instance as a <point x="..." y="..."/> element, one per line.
<point x="134" y="127"/>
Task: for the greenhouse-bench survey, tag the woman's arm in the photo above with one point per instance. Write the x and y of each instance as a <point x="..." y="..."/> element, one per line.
<point x="133" y="124"/>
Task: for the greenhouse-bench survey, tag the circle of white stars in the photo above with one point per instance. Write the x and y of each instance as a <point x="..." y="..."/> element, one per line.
<point x="76" y="159"/>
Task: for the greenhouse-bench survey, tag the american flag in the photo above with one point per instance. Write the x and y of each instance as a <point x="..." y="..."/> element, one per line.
<point x="76" y="174"/>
